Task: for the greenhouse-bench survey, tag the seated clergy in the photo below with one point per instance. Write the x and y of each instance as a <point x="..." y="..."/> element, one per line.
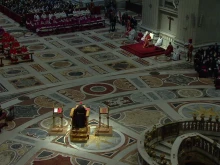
<point x="132" y="34"/>
<point x="24" y="50"/>
<point x="159" y="41"/>
<point x="169" y="50"/>
<point x="147" y="41"/>
<point x="139" y="36"/>
<point x="79" y="117"/>
<point x="43" y="16"/>
<point x="145" y="34"/>
<point x="36" y="17"/>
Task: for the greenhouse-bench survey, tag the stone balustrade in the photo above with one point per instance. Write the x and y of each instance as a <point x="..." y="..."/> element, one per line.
<point x="159" y="133"/>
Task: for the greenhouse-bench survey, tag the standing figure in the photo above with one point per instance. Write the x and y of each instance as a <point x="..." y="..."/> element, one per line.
<point x="91" y="7"/>
<point x="190" y="50"/>
<point x="147" y="40"/>
<point x="169" y="50"/>
<point x="113" y="20"/>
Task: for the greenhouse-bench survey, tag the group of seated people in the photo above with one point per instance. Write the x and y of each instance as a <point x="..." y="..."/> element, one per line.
<point x="52" y="22"/>
<point x="61" y="14"/>
<point x="207" y="62"/>
<point x="11" y="48"/>
<point x="22" y="7"/>
<point x="147" y="40"/>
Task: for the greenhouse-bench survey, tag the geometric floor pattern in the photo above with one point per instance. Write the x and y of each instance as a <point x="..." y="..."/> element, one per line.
<point x="74" y="67"/>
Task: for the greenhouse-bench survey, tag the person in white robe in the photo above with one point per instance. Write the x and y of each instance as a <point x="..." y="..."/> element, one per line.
<point x="176" y="54"/>
<point x="132" y="34"/>
<point x="159" y="41"/>
<point x="36" y="17"/>
<point x="43" y="16"/>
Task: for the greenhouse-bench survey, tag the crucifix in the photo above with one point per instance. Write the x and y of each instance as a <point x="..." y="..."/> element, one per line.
<point x="170" y="19"/>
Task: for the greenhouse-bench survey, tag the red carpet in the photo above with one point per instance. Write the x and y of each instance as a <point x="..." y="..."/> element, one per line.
<point x="138" y="50"/>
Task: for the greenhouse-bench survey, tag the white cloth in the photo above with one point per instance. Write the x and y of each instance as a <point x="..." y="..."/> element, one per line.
<point x="132" y="34"/>
<point x="176" y="54"/>
<point x="159" y="42"/>
<point x="36" y="17"/>
<point x="151" y="36"/>
<point x="143" y="38"/>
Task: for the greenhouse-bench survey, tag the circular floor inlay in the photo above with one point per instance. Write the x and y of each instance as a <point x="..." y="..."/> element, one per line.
<point x="98" y="89"/>
<point x="200" y="108"/>
<point x="16" y="146"/>
<point x="154" y="73"/>
<point x="61" y="64"/>
<point x="75" y="73"/>
<point x="101" y="143"/>
<point x="36" y="47"/>
<point x="13" y="71"/>
<point x="190" y="93"/>
<point x="212" y="92"/>
<point x="48" y="55"/>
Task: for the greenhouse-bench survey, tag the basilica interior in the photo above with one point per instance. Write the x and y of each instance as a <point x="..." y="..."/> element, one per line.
<point x="157" y="110"/>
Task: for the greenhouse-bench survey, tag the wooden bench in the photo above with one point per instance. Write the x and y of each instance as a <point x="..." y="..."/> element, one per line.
<point x="17" y="62"/>
<point x="24" y="54"/>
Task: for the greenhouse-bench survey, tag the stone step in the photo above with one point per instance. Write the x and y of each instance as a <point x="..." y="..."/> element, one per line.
<point x="79" y="135"/>
<point x="167" y="158"/>
<point x="79" y="140"/>
<point x="163" y="150"/>
<point x="165" y="144"/>
<point x="80" y="130"/>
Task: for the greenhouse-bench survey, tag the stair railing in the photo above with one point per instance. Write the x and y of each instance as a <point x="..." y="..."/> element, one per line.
<point x="158" y="133"/>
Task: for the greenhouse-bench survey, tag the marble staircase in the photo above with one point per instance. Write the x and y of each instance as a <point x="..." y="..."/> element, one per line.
<point x="163" y="148"/>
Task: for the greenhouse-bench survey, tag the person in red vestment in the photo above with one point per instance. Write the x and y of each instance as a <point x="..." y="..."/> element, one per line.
<point x="147" y="41"/>
<point x="190" y="50"/>
<point x="24" y="50"/>
<point x="13" y="53"/>
<point x="139" y="36"/>
<point x="169" y="50"/>
<point x="128" y="31"/>
<point x="15" y="44"/>
<point x="5" y="34"/>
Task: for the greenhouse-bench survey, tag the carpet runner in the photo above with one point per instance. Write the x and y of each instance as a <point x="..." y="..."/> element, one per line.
<point x="138" y="50"/>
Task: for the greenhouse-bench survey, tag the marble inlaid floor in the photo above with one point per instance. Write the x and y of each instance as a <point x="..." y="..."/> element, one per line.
<point x="89" y="66"/>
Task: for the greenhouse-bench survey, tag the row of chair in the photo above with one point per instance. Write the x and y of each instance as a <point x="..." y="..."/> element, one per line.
<point x="56" y="26"/>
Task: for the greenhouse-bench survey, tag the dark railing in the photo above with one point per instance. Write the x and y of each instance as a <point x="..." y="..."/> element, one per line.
<point x="176" y="129"/>
<point x="197" y="143"/>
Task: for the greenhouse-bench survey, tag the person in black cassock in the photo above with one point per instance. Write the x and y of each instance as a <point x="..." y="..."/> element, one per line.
<point x="79" y="117"/>
<point x="113" y="20"/>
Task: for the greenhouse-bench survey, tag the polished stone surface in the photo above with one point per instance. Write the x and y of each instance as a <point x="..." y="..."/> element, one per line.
<point x="90" y="67"/>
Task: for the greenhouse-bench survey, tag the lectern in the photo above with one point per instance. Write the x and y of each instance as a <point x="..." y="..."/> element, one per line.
<point x="103" y="129"/>
<point x="57" y="129"/>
